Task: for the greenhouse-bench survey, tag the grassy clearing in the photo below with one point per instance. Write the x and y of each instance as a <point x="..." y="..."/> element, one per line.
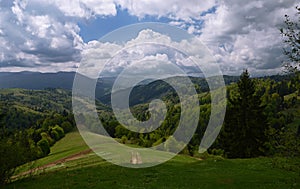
<point x="71" y="144"/>
<point x="91" y="171"/>
<point x="181" y="172"/>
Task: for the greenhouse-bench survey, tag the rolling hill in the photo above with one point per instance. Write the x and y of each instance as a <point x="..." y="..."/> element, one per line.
<point x="69" y="165"/>
<point x="142" y="93"/>
<point x="40" y="81"/>
<point x="72" y="165"/>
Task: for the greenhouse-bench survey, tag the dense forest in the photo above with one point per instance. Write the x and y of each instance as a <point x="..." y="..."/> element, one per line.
<point x="262" y="114"/>
<point x="31" y="122"/>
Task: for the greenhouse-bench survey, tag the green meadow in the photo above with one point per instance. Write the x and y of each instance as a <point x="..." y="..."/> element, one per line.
<point x="87" y="170"/>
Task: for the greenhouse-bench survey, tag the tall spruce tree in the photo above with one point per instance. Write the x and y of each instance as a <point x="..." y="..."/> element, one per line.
<point x="245" y="124"/>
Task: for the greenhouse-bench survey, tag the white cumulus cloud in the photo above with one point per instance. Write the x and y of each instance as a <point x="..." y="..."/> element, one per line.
<point x="245" y="34"/>
<point x="43" y="35"/>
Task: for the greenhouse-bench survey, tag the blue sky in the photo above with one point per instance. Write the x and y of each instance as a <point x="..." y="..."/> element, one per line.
<point x="97" y="27"/>
<point x="51" y="36"/>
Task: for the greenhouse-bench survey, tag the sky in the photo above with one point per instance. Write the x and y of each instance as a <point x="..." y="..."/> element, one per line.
<point x="54" y="35"/>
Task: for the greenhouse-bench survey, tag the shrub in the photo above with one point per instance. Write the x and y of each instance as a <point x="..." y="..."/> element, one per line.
<point x="54" y="134"/>
<point x="124" y="139"/>
<point x="172" y="145"/>
<point x="66" y="126"/>
<point x="44" y="135"/>
<point x="44" y="146"/>
<point x="217" y="152"/>
<point x="60" y="131"/>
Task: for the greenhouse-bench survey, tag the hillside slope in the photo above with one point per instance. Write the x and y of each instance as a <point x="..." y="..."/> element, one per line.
<point x="90" y="171"/>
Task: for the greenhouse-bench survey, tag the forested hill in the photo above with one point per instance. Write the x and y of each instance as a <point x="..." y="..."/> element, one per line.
<point x="64" y="80"/>
<point x="158" y="89"/>
<point x="36" y="119"/>
<point x="24" y="108"/>
<point x="40" y="81"/>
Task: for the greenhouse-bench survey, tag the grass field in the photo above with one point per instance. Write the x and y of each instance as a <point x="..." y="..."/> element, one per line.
<point x="90" y="171"/>
<point x="71" y="144"/>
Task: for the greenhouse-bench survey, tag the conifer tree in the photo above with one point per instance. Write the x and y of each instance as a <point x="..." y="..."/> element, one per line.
<point x="245" y="124"/>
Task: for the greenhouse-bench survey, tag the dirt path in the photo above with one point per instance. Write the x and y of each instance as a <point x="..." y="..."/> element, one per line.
<point x="52" y="164"/>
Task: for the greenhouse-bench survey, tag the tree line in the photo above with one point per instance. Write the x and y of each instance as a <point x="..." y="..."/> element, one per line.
<point x="258" y="115"/>
<point x="27" y="133"/>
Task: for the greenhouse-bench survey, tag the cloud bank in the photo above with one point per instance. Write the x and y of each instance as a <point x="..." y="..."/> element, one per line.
<point x="40" y="35"/>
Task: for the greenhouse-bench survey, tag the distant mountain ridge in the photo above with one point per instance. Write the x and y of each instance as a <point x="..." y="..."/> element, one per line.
<point x="36" y="80"/>
<point x="144" y="92"/>
<point x="40" y="81"/>
<point x="64" y="80"/>
<point x="157" y="89"/>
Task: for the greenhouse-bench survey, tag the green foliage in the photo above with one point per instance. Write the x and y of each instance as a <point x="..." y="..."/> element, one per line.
<point x="35" y="108"/>
<point x="54" y="135"/>
<point x="264" y="97"/>
<point x="291" y="34"/>
<point x="291" y="37"/>
<point x="15" y="150"/>
<point x="261" y="120"/>
<point x="217" y="152"/>
<point x="30" y="125"/>
<point x="256" y="103"/>
<point x="59" y="131"/>
<point x="121" y="131"/>
<point x="172" y="145"/>
<point x="47" y="137"/>
<point x="67" y="126"/>
<point x="245" y="125"/>
<point x="44" y="146"/>
<point x="124" y="139"/>
<point x="8" y="160"/>
<point x="158" y="142"/>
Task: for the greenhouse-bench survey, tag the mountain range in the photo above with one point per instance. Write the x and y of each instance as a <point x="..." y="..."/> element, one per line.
<point x="144" y="92"/>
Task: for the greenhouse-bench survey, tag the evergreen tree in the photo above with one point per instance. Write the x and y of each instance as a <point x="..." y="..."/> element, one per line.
<point x="245" y="124"/>
<point x="291" y="37"/>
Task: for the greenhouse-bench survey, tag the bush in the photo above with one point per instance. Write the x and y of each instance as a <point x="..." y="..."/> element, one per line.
<point x="124" y="139"/>
<point x="44" y="135"/>
<point x="121" y="131"/>
<point x="67" y="126"/>
<point x="54" y="134"/>
<point x="60" y="131"/>
<point x="158" y="142"/>
<point x="172" y="145"/>
<point x="204" y="155"/>
<point x="44" y="146"/>
<point x="217" y="152"/>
